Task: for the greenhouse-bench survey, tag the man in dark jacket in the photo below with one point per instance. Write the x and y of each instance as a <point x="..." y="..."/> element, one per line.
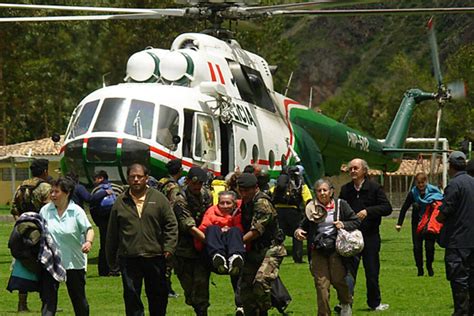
<point x="457" y="235"/>
<point x="370" y="203"/>
<point x="142" y="233"/>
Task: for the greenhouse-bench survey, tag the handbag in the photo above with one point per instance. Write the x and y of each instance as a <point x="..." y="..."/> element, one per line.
<point x="348" y="243"/>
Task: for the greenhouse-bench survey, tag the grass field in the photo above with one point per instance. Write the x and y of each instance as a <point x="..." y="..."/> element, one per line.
<point x="406" y="293"/>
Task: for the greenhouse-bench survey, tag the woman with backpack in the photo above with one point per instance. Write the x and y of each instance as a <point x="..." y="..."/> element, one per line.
<point x="319" y="227"/>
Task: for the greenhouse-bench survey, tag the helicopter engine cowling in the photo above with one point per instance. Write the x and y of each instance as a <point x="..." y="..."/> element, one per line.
<point x="144" y="66"/>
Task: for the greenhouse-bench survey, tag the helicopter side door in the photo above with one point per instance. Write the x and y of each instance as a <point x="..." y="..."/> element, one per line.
<point x="205" y="143"/>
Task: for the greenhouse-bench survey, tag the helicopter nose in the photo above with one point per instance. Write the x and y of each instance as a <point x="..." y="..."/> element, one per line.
<point x="114" y="155"/>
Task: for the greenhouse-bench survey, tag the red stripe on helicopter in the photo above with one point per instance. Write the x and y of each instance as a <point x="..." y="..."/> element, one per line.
<point x="266" y="162"/>
<point x="62" y="149"/>
<point x="220" y="74"/>
<point x="211" y="69"/>
<point x="184" y="162"/>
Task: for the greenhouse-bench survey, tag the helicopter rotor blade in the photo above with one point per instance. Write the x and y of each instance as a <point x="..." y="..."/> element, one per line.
<point x="73" y="8"/>
<point x="435" y="54"/>
<point x="285" y="6"/>
<point x="136" y="16"/>
<point x="457" y="89"/>
<point x="353" y="12"/>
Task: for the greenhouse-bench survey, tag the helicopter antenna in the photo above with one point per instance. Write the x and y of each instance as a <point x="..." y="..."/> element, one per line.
<point x="103" y="79"/>
<point x="346" y="116"/>
<point x="288" y="84"/>
<point x="310" y="105"/>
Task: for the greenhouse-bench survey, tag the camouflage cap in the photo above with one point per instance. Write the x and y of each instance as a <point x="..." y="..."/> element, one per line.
<point x="197" y="174"/>
<point x="247" y="180"/>
<point x="316" y="212"/>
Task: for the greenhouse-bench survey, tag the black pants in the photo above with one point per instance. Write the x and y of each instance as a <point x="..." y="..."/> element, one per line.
<point x="225" y="244"/>
<point x="371" y="260"/>
<point x="417" y="240"/>
<point x="288" y="220"/>
<point x="460" y="273"/>
<point x="76" y="282"/>
<point x="152" y="271"/>
<point x="102" y="223"/>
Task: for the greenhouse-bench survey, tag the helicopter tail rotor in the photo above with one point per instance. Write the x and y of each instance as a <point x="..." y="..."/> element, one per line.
<point x="452" y="91"/>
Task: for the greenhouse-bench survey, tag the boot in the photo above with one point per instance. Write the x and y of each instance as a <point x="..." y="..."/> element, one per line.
<point x="22" y="302"/>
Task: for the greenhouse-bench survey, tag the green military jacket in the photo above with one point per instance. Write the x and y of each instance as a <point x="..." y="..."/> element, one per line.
<point x="189" y="210"/>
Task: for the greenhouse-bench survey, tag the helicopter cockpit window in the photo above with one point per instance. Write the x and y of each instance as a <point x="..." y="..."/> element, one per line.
<point x="168" y="124"/>
<point x="110" y="115"/>
<point x="251" y="86"/>
<point x="82" y="123"/>
<point x="140" y="119"/>
<point x="205" y="141"/>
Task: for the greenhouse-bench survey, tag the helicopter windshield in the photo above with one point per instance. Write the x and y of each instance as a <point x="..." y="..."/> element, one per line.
<point x="168" y="124"/>
<point x="83" y="122"/>
<point x="110" y="115"/>
<point x="140" y="119"/>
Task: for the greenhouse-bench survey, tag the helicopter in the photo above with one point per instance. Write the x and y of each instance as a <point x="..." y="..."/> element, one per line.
<point x="211" y="103"/>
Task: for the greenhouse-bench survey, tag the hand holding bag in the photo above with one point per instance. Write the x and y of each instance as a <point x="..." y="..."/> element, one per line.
<point x="348" y="243"/>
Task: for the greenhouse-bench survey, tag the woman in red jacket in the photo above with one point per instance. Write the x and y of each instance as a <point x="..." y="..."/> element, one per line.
<point x="223" y="229"/>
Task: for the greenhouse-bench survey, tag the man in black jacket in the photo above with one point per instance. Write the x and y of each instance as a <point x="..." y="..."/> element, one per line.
<point x="457" y="235"/>
<point x="370" y="203"/>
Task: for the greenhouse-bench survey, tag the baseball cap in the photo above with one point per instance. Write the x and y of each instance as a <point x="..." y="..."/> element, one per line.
<point x="457" y="158"/>
<point x="197" y="174"/>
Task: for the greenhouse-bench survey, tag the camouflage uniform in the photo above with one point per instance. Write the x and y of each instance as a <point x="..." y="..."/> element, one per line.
<point x="40" y="195"/>
<point x="190" y="266"/>
<point x="170" y="188"/>
<point x="264" y="257"/>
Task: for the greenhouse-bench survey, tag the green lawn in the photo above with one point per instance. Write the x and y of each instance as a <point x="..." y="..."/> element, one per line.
<point x="406" y="293"/>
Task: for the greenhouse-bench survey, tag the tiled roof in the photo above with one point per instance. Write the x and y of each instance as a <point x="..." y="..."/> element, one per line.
<point x="40" y="147"/>
<point x="408" y="167"/>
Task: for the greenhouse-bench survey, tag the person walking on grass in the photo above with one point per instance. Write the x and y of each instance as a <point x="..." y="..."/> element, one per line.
<point x="31" y="196"/>
<point x="457" y="235"/>
<point x="420" y="197"/>
<point x="369" y="202"/>
<point x="142" y="233"/>
<point x="320" y="229"/>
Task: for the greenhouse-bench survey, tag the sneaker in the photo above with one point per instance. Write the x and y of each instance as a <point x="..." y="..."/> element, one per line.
<point x="239" y="311"/>
<point x="346" y="310"/>
<point x="337" y="309"/>
<point x="235" y="264"/>
<point x="219" y="263"/>
<point x="173" y="295"/>
<point x="381" y="307"/>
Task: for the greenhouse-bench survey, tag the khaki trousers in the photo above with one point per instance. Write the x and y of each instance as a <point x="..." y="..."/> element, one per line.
<point x="328" y="269"/>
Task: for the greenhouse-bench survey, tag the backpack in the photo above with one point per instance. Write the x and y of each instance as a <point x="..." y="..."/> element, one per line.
<point x="287" y="191"/>
<point x="109" y="199"/>
<point x="23" y="199"/>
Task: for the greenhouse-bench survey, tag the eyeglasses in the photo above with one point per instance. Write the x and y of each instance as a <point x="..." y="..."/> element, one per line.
<point x="136" y="176"/>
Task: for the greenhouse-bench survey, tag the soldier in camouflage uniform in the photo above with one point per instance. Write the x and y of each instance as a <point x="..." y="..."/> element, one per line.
<point x="170" y="188"/>
<point x="191" y="267"/>
<point x="262" y="262"/>
<point x="40" y="196"/>
<point x="169" y="185"/>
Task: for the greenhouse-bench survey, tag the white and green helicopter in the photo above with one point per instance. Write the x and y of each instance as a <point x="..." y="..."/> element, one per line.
<point x="212" y="103"/>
